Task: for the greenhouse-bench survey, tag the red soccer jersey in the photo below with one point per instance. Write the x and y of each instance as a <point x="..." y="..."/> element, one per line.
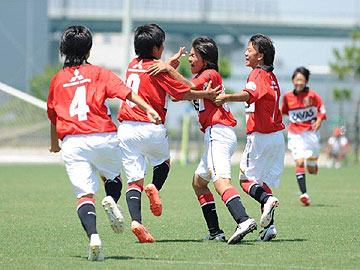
<point x="303" y="109"/>
<point x="153" y="89"/>
<point x="209" y="113"/>
<point x="76" y="102"/>
<point x="262" y="110"/>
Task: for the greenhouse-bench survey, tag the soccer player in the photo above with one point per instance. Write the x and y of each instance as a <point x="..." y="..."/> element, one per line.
<point x="217" y="124"/>
<point x="337" y="148"/>
<point x="306" y="112"/>
<point x="139" y="138"/>
<point x="263" y="158"/>
<point x="78" y="114"/>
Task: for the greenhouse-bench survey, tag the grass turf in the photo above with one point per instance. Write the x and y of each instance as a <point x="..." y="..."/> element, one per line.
<point x="39" y="227"/>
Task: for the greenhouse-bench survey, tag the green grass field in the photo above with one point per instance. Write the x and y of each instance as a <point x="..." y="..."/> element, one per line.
<point x="39" y="227"/>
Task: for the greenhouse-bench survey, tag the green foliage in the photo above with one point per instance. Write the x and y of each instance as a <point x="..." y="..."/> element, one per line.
<point x="341" y="94"/>
<point x="224" y="67"/>
<point x="39" y="84"/>
<point x="184" y="67"/>
<point x="347" y="60"/>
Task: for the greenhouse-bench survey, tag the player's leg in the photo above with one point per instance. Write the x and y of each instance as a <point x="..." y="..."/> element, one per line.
<point x="113" y="210"/>
<point x="208" y="207"/>
<point x="269" y="232"/>
<point x="153" y="144"/>
<point x="231" y="199"/>
<point x="84" y="180"/>
<point x="133" y="199"/>
<point x="312" y="141"/>
<point x="134" y="164"/>
<point x="300" y="173"/>
<point x="160" y="173"/>
<point x="107" y="160"/>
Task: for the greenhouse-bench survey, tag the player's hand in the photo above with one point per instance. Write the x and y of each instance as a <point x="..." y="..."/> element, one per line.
<point x="54" y="148"/>
<point x="212" y="93"/>
<point x="317" y="125"/>
<point x="157" y="68"/>
<point x="220" y="100"/>
<point x="174" y="60"/>
<point x="153" y="116"/>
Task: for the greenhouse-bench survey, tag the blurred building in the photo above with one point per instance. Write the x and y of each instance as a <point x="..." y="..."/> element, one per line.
<point x="24" y="40"/>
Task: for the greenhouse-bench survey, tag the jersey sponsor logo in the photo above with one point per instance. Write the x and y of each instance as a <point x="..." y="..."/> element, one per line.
<point x="307" y="101"/>
<point x="137" y="67"/>
<point x="77" y="79"/>
<point x="302" y="115"/>
<point x="251" y="86"/>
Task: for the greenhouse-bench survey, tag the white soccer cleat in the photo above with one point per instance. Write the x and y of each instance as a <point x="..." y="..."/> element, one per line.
<point x="305" y="199"/>
<point x="220" y="236"/>
<point x="268" y="234"/>
<point x="241" y="230"/>
<point x="269" y="209"/>
<point x="114" y="213"/>
<point x="95" y="252"/>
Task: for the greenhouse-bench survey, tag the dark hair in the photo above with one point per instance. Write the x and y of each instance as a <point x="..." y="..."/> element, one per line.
<point x="75" y="43"/>
<point x="146" y="37"/>
<point x="264" y="45"/>
<point x="304" y="71"/>
<point x="208" y="51"/>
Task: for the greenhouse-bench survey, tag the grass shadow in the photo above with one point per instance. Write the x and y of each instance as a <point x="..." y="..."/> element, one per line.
<point x="288" y="240"/>
<point x="324" y="205"/>
<point x="179" y="241"/>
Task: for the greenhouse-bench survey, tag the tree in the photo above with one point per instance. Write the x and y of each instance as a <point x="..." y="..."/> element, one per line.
<point x="224" y="67"/>
<point x="341" y="95"/>
<point x="347" y="64"/>
<point x="39" y="84"/>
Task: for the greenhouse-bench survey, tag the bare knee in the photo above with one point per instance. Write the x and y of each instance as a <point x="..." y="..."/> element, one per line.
<point x="200" y="185"/>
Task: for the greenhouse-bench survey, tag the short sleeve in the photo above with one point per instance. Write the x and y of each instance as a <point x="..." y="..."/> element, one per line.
<point x="173" y="87"/>
<point x="285" y="107"/>
<point x="115" y="87"/>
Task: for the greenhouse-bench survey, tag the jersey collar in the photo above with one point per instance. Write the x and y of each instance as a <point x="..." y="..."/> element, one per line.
<point x="266" y="68"/>
<point x="306" y="89"/>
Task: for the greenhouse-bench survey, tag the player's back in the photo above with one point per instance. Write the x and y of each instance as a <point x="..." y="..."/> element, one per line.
<point x="153" y="89"/>
<point x="77" y="97"/>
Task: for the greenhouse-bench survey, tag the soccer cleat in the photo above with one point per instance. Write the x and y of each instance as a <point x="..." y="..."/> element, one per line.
<point x="155" y="201"/>
<point x="241" y="230"/>
<point x="305" y="199"/>
<point x="95" y="252"/>
<point x="219" y="236"/>
<point x="268" y="233"/>
<point x="114" y="213"/>
<point x="141" y="233"/>
<point x="268" y="213"/>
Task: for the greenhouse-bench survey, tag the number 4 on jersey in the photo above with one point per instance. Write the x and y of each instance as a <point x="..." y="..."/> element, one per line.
<point x="78" y="105"/>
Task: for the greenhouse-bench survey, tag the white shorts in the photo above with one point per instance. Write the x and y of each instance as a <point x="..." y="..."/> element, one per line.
<point x="220" y="146"/>
<point x="84" y="154"/>
<point x="263" y="158"/>
<point x="305" y="145"/>
<point x="140" y="140"/>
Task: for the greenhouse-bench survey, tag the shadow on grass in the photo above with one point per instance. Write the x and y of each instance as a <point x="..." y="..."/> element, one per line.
<point x="323" y="205"/>
<point x="288" y="240"/>
<point x="179" y="241"/>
